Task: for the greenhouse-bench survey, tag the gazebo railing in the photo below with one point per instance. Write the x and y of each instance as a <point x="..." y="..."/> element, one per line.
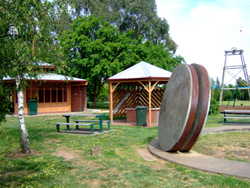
<point x="136" y="97"/>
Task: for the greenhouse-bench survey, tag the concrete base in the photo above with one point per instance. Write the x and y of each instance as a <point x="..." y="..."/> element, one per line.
<point x="202" y="162"/>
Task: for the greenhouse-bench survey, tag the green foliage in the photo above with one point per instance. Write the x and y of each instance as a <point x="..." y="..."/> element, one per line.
<point x="137" y="15"/>
<point x="214" y="107"/>
<point x="95" y="50"/>
<point x="25" y="35"/>
<point x="5" y="104"/>
<point x="215" y="88"/>
<point x="104" y="93"/>
<point x="216" y="94"/>
<point x="227" y="94"/>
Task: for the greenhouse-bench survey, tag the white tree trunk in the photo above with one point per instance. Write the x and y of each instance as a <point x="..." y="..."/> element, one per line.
<point x="24" y="132"/>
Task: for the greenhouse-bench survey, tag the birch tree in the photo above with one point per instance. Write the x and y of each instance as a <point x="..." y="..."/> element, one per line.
<point x="25" y="35"/>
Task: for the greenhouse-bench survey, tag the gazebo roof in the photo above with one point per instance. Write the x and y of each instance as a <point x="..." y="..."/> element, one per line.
<point x="141" y="71"/>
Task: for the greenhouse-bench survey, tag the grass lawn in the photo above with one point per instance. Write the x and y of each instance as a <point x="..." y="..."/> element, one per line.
<point x="119" y="166"/>
<point x="237" y="103"/>
<point x="102" y="104"/>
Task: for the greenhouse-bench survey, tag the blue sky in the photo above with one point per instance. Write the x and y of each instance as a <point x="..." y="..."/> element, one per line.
<point x="204" y="29"/>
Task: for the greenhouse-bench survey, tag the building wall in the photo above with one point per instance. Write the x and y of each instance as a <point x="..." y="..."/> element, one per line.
<point x="131" y="115"/>
<point x="78" y="98"/>
<point x="54" y="107"/>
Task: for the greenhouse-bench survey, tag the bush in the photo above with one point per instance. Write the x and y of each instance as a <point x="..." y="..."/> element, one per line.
<point x="227" y="94"/>
<point x="214" y="107"/>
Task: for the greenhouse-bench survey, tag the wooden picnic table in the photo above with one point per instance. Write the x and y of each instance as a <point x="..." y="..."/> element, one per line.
<point x="100" y="116"/>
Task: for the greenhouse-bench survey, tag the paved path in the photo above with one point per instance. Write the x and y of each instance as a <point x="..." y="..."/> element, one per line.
<point x="203" y="162"/>
<point x="233" y="128"/>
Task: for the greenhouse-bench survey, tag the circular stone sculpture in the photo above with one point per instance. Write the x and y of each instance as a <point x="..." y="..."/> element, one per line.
<point x="202" y="108"/>
<point x="178" y="109"/>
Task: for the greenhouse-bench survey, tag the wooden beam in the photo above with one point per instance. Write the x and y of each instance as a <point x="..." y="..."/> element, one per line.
<point x="114" y="87"/>
<point x="154" y="85"/>
<point x="149" y="90"/>
<point x="84" y="84"/>
<point x="144" y="86"/>
<point x="149" y="102"/>
<point x="111" y="102"/>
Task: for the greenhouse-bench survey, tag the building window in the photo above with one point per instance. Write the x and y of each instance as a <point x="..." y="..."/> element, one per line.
<point x="65" y="95"/>
<point x="59" y="94"/>
<point x="41" y="96"/>
<point x="48" y="92"/>
<point x="53" y="95"/>
<point x="47" y="95"/>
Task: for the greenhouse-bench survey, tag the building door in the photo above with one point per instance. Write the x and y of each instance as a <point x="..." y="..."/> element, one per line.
<point x="75" y="98"/>
<point x="78" y="98"/>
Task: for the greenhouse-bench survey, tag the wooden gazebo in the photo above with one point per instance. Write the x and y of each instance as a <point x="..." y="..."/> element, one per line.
<point x="142" y="74"/>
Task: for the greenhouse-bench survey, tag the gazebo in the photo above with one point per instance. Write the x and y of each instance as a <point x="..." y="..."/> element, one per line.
<point x="137" y="87"/>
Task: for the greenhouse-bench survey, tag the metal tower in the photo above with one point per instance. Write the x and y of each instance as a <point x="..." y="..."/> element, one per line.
<point x="227" y="69"/>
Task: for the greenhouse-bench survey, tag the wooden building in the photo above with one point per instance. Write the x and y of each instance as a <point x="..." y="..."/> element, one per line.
<point x="54" y="93"/>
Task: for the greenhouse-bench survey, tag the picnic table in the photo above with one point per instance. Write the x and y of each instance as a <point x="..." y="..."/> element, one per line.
<point x="100" y="116"/>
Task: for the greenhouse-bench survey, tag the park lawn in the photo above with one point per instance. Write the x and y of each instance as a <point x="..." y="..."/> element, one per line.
<point x="119" y="166"/>
<point x="99" y="105"/>
<point x="237" y="103"/>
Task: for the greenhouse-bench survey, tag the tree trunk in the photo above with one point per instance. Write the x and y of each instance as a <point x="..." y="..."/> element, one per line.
<point x="96" y="93"/>
<point x="24" y="132"/>
<point x="94" y="102"/>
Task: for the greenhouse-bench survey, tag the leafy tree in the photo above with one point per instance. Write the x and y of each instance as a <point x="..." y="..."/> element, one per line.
<point x="227" y="94"/>
<point x="137" y="15"/>
<point x="104" y="93"/>
<point x="216" y="88"/>
<point x="242" y="94"/>
<point x="96" y="50"/>
<point x="157" y="55"/>
<point x="4" y="103"/>
<point x="25" y="35"/>
<point x="214" y="107"/>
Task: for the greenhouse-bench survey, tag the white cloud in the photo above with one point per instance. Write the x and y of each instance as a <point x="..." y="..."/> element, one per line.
<point x="204" y="29"/>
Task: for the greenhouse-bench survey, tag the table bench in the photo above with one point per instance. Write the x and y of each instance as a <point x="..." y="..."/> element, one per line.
<point x="95" y="121"/>
<point x="236" y="114"/>
<point x="100" y="116"/>
<point x="77" y="126"/>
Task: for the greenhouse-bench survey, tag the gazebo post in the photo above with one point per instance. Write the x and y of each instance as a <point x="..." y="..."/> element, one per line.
<point x="149" y="103"/>
<point x="111" y="90"/>
<point x="111" y="101"/>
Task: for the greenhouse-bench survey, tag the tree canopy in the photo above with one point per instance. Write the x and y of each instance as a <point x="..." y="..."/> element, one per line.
<point x="137" y="15"/>
<point x="96" y="50"/>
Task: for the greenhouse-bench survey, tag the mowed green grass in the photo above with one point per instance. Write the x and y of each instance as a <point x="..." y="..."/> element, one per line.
<point x="119" y="166"/>
<point x="237" y="103"/>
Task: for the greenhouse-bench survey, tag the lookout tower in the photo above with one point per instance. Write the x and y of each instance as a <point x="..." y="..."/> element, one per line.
<point x="233" y="71"/>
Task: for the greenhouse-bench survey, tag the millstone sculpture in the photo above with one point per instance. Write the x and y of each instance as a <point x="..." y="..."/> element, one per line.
<point x="184" y="108"/>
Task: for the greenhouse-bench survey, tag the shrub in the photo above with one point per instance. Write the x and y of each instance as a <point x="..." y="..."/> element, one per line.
<point x="214" y="107"/>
